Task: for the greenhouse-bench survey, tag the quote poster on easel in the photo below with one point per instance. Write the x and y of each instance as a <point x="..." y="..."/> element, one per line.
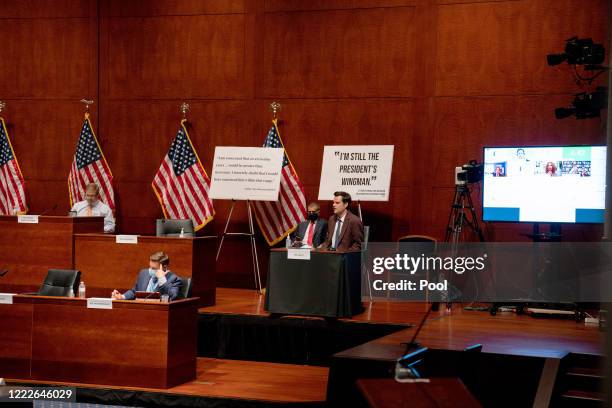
<point x="246" y="173"/>
<point x="362" y="171"/>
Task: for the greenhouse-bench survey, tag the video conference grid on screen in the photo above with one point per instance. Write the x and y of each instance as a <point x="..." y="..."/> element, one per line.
<point x="544" y="184"/>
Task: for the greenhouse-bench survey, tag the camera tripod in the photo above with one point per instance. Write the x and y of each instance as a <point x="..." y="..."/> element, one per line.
<point x="462" y="214"/>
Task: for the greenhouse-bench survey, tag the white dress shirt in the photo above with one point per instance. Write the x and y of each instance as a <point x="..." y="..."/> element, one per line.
<point x="341" y="219"/>
<point x="99" y="210"/>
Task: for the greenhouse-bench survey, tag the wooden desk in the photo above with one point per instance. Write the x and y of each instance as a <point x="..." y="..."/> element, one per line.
<point x="437" y="393"/>
<point x="106" y="265"/>
<point x="30" y="250"/>
<point x="134" y="344"/>
<point x="329" y="284"/>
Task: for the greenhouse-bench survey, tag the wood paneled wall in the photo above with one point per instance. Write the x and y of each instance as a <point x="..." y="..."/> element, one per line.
<point x="438" y="79"/>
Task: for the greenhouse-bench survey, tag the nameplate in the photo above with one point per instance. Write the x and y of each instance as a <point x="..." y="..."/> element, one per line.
<point x="298" y="253"/>
<point x="99" y="303"/>
<point x="126" y="239"/>
<point x="27" y="219"/>
<point x="6" y="298"/>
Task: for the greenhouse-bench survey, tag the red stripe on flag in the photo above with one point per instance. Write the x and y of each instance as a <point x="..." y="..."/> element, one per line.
<point x="104" y="186"/>
<point x="14" y="171"/>
<point x="200" y="176"/>
<point x="274" y="218"/>
<point x="300" y="199"/>
<point x="75" y="179"/>
<point x="7" y="186"/>
<point x="193" y="213"/>
<point x="263" y="219"/>
<point x="172" y="186"/>
<point x="168" y="201"/>
<point x="5" y="196"/>
<point x="196" y="193"/>
<point x="289" y="206"/>
<point x="163" y="196"/>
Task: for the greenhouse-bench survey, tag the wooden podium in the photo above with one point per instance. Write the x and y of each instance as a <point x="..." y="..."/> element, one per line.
<point x="30" y="250"/>
<point x="138" y="344"/>
<point x="329" y="284"/>
<point x="106" y="265"/>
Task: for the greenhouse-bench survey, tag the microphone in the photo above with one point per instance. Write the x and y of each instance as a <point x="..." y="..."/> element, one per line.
<point x="150" y="294"/>
<point x="3" y="272"/>
<point x="48" y="209"/>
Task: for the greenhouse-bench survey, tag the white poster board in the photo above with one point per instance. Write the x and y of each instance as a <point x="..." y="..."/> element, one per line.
<point x="362" y="171"/>
<point x="246" y="173"/>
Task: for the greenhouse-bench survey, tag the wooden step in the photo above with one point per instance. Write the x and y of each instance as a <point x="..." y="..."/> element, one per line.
<point x="580" y="398"/>
<point x="586" y="379"/>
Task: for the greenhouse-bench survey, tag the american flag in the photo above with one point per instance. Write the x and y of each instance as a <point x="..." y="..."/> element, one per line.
<point x="276" y="219"/>
<point x="12" y="186"/>
<point x="89" y="166"/>
<point x="181" y="183"/>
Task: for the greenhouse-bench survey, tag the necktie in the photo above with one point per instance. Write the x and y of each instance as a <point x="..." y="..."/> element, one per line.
<point x="337" y="232"/>
<point x="89" y="211"/>
<point x="152" y="284"/>
<point x="310" y="233"/>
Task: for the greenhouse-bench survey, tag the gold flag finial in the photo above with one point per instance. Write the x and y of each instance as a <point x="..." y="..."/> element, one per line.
<point x="275" y="107"/>
<point x="184" y="109"/>
<point x="87" y="102"/>
<point x="2" y="106"/>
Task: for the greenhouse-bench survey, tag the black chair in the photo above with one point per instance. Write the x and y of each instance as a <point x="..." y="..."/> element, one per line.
<point x="172" y="228"/>
<point x="185" y="289"/>
<point x="427" y="250"/>
<point x="60" y="282"/>
<point x="417" y="238"/>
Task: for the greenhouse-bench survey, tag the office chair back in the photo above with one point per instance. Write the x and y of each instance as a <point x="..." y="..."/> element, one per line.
<point x="185" y="289"/>
<point x="60" y="282"/>
<point x="417" y="238"/>
<point x="172" y="228"/>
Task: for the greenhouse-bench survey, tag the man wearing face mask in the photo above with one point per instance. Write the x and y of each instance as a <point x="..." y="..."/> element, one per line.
<point x="313" y="231"/>
<point x="157" y="278"/>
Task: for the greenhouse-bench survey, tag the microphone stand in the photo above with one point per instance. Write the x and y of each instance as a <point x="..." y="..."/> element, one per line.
<point x="413" y="344"/>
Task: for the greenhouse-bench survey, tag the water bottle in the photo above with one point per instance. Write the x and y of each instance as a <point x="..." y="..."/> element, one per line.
<point x="82" y="290"/>
<point x="182" y="234"/>
<point x="288" y="242"/>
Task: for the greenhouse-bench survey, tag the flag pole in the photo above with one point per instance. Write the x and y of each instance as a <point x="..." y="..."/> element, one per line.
<point x="87" y="102"/>
<point x="274" y="108"/>
<point x="184" y="109"/>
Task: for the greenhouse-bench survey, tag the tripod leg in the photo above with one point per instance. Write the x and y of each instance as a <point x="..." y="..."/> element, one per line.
<point x="450" y="225"/>
<point x="229" y="217"/>
<point x="475" y="223"/>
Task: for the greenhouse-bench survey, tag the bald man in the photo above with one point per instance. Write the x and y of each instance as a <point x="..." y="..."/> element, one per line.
<point x="93" y="207"/>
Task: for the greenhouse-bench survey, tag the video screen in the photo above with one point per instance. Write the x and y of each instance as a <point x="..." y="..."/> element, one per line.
<point x="564" y="184"/>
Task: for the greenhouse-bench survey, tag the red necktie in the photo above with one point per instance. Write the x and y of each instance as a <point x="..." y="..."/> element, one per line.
<point x="310" y="233"/>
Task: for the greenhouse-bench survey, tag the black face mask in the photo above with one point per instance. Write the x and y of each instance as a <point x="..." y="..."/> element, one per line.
<point x="313" y="216"/>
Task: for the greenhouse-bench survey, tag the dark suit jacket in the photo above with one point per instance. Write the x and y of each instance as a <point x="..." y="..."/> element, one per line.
<point x="172" y="287"/>
<point x="320" y="232"/>
<point x="351" y="233"/>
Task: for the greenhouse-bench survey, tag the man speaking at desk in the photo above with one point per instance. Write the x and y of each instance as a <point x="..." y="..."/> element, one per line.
<point x="344" y="229"/>
<point x="157" y="278"/>
<point x="92" y="206"/>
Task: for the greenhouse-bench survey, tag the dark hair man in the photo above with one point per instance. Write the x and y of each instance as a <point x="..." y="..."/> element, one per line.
<point x="156" y="278"/>
<point x="344" y="229"/>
